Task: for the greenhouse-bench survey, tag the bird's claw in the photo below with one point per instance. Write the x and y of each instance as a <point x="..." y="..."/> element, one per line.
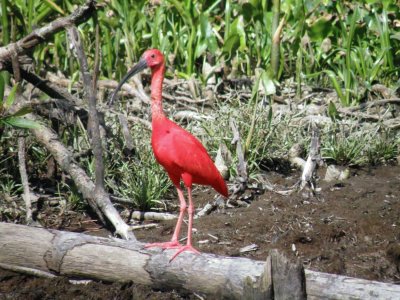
<point x="182" y="249"/>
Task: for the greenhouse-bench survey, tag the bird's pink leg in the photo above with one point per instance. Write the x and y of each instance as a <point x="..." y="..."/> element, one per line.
<point x="188" y="246"/>
<point x="174" y="243"/>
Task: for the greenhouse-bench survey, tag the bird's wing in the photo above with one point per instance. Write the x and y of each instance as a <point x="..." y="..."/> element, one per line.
<point x="179" y="151"/>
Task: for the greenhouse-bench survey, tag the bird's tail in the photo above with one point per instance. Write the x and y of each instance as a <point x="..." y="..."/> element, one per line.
<point x="220" y="186"/>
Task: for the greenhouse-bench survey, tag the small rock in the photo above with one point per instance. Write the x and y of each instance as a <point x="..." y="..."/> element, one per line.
<point x="252" y="247"/>
<point x="203" y="242"/>
<point x="336" y="173"/>
<point x="247" y="196"/>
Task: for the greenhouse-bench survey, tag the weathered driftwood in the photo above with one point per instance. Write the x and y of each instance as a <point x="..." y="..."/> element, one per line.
<point x="109" y="259"/>
<point x="288" y="279"/>
<point x="331" y="286"/>
<point x="50" y="252"/>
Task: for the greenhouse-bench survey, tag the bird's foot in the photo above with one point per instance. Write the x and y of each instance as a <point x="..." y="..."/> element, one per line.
<point x="165" y="245"/>
<point x="182" y="249"/>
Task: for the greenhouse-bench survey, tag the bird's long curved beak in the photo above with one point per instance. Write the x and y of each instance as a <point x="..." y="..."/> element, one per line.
<point x="140" y="66"/>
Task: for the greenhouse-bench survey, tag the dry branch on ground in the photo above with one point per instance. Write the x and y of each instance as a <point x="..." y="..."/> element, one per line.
<point x="100" y="202"/>
<point x="50" y="252"/>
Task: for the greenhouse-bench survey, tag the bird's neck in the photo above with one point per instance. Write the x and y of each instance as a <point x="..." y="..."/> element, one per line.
<point x="157" y="78"/>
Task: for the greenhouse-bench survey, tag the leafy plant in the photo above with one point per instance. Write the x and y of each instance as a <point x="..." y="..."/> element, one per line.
<point x="15" y="119"/>
<point x="138" y="177"/>
<point x="352" y="146"/>
<point x="382" y="149"/>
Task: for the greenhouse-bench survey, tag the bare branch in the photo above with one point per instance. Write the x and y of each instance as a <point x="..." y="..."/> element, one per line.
<point x="101" y="197"/>
<point x="21" y="142"/>
<point x="100" y="202"/>
<point x="42" y="34"/>
<point x="51" y="89"/>
<point x="313" y="160"/>
<point x="93" y="125"/>
<point x="24" y="179"/>
<point x="241" y="168"/>
<point x="125" y="132"/>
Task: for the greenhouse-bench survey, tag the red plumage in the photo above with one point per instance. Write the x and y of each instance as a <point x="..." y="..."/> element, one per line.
<point x="179" y="152"/>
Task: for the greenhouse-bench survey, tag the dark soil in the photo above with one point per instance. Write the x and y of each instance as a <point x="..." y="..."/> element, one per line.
<point x="351" y="228"/>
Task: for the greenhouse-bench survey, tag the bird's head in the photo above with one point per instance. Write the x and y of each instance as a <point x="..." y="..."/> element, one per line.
<point x="152" y="59"/>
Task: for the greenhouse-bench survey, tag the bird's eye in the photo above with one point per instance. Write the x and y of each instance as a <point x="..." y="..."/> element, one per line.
<point x="153" y="56"/>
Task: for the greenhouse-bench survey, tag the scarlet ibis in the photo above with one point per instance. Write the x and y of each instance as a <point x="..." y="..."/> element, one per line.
<point x="179" y="152"/>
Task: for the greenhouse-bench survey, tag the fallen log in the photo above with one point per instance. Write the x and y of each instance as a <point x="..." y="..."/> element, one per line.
<point x="47" y="253"/>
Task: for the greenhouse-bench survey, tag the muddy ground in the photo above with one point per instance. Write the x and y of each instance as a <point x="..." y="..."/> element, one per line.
<point x="351" y="228"/>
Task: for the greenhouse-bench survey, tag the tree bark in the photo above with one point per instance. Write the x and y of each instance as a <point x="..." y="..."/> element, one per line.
<point x="288" y="279"/>
<point x="70" y="254"/>
<point x="47" y="252"/>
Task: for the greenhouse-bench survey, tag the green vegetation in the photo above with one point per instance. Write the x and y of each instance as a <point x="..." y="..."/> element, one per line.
<point x="342" y="45"/>
<point x="348" y="145"/>
<point x="15" y="119"/>
<point x="331" y="43"/>
<point x="137" y="178"/>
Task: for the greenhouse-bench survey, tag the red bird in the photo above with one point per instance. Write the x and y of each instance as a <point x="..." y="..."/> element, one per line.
<point x="179" y="152"/>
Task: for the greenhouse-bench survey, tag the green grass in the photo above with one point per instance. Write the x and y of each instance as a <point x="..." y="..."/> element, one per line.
<point x="340" y="45"/>
<point x="136" y="176"/>
<point x="364" y="40"/>
<point x="352" y="145"/>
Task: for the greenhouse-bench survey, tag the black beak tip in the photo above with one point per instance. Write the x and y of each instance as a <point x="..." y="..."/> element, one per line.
<point x="141" y="65"/>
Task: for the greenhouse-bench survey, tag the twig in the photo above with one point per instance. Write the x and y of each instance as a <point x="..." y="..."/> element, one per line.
<point x="24" y="179"/>
<point x="134" y="119"/>
<point x="29" y="271"/>
<point x="189" y="115"/>
<point x="360" y="115"/>
<point x="127" y="89"/>
<point x="313" y="159"/>
<point x="96" y="68"/>
<point x="42" y="34"/>
<point x="184" y="99"/>
<point x="372" y="104"/>
<point x="137" y="92"/>
<point x="100" y="202"/>
<point x="93" y="124"/>
<point x="144" y="226"/>
<point x="241" y="167"/>
<point x="140" y="215"/>
<point x="21" y="141"/>
<point x="270" y="187"/>
<point x="51" y="89"/>
<point x="294" y="156"/>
